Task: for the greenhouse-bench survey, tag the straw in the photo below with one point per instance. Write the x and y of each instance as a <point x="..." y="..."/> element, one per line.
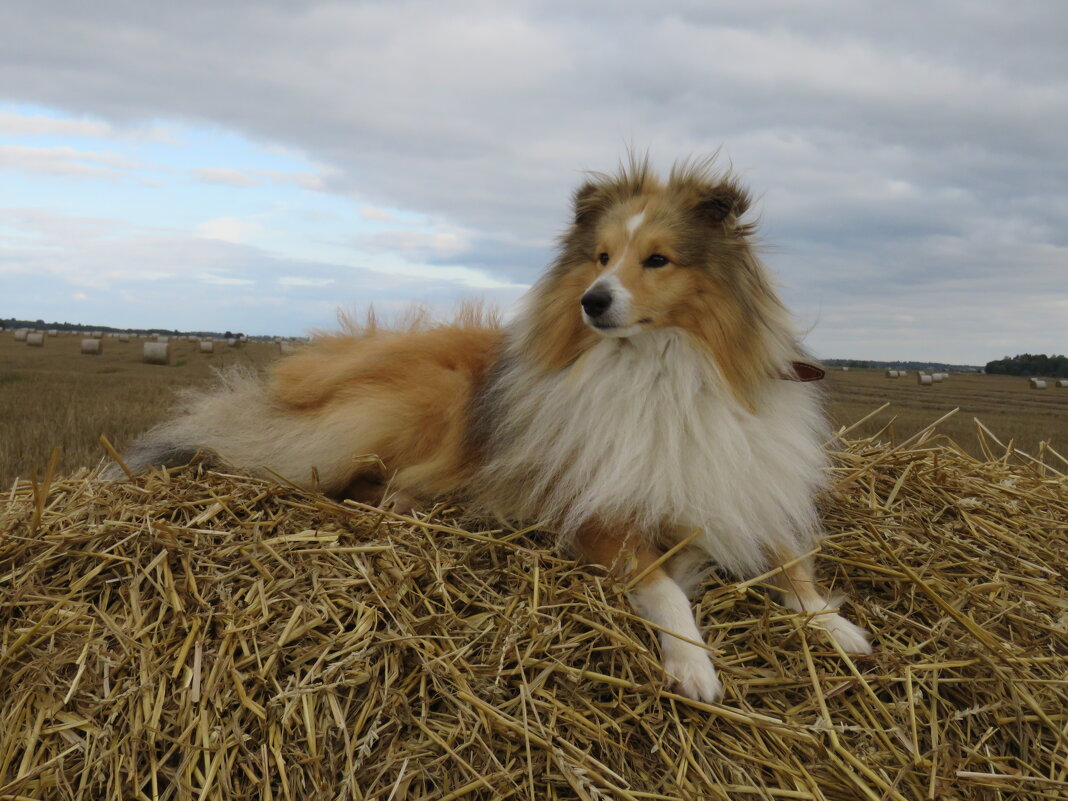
<point x="198" y="634"/>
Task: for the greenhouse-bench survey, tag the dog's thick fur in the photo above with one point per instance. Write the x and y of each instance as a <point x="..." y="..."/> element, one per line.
<point x="638" y="397"/>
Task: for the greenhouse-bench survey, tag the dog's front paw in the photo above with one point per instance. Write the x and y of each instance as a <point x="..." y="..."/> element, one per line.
<point x="692" y="670"/>
<point x="851" y="637"/>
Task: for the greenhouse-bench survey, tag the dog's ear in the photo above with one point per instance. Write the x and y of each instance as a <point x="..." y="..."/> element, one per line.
<point x="588" y="201"/>
<point x="723" y="202"/>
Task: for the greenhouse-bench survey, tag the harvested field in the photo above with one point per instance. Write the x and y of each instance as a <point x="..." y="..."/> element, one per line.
<point x="54" y="396"/>
<point x="200" y="635"/>
<point x="1004" y="403"/>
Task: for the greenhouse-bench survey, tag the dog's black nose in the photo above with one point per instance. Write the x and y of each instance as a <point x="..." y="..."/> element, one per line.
<point x="596" y="302"/>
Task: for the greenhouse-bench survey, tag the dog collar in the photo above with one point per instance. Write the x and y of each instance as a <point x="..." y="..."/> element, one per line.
<point x="804" y="371"/>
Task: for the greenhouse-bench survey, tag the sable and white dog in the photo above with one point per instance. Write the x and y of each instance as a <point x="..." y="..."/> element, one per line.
<point x="649" y="389"/>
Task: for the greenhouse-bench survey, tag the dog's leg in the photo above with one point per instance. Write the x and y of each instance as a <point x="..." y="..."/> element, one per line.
<point x="800" y="592"/>
<point x="661" y="601"/>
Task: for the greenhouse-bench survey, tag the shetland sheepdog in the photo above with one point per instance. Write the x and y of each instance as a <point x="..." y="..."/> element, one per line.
<point x="649" y="393"/>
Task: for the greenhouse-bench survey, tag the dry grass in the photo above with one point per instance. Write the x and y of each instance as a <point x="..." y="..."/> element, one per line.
<point x="1004" y="403"/>
<point x="56" y="397"/>
<point x="198" y="635"/>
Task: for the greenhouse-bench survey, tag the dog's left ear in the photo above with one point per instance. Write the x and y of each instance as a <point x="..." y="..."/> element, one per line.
<point x="723" y="202"/>
<point x="588" y="202"/>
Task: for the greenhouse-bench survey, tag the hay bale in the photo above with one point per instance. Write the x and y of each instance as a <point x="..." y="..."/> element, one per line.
<point x="1036" y="383"/>
<point x="207" y="346"/>
<point x="21" y="333"/>
<point x="199" y="634"/>
<point x="938" y="378"/>
<point x="1062" y="382"/>
<point x="52" y="332"/>
<point x="924" y="380"/>
<point x="157" y="353"/>
<point x="286" y="348"/>
<point x="892" y="374"/>
<point x="93" y="346"/>
<point x="35" y="339"/>
<point x="232" y="342"/>
<point x="123" y="337"/>
<point x="845" y="369"/>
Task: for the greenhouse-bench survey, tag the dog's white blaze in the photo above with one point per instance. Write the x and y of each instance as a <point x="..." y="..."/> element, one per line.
<point x="634" y="222"/>
<point x="663" y="603"/>
<point x="645" y="429"/>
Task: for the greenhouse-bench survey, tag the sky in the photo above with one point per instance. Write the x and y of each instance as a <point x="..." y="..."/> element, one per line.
<point x="255" y="165"/>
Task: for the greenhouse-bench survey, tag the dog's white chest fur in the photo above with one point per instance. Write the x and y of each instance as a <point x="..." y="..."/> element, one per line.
<point x="644" y="432"/>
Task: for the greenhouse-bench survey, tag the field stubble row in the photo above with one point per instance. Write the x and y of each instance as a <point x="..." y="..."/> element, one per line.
<point x="56" y="397"/>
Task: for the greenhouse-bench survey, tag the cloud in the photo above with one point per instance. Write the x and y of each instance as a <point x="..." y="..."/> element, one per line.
<point x="22" y="125"/>
<point x="374" y="213"/>
<point x="224" y="175"/>
<point x="66" y="161"/>
<point x="189" y="282"/>
<point x="229" y="229"/>
<point x="230" y="176"/>
<point x="895" y="159"/>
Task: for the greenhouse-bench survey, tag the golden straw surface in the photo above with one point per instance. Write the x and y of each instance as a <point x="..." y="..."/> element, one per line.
<point x="201" y="635"/>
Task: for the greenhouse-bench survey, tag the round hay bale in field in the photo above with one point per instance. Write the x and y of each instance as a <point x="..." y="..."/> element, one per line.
<point x="1036" y="383"/>
<point x="207" y="346"/>
<point x="123" y="337"/>
<point x="232" y="342"/>
<point x="21" y="334"/>
<point x="892" y="374"/>
<point x="924" y="380"/>
<point x="93" y="346"/>
<point x="1062" y="382"/>
<point x="52" y="332"/>
<point x="157" y="353"/>
<point x="845" y="369"/>
<point x="938" y="378"/>
<point x="197" y="634"/>
<point x="35" y="339"/>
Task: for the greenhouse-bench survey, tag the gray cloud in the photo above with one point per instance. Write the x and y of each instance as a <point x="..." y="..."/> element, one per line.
<point x="905" y="154"/>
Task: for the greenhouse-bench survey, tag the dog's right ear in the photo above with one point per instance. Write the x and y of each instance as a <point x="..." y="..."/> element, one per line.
<point x="588" y="202"/>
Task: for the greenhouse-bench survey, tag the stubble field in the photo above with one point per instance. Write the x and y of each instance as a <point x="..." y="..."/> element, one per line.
<point x="53" y="396"/>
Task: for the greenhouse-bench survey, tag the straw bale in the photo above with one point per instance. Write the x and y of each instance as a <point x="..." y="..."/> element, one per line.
<point x="1036" y="383"/>
<point x="93" y="346"/>
<point x="35" y="338"/>
<point x="52" y="332"/>
<point x="892" y="374"/>
<point x="1062" y="382"/>
<point x="207" y="346"/>
<point x="924" y="380"/>
<point x="21" y="333"/>
<point x="157" y="353"/>
<point x="198" y="634"/>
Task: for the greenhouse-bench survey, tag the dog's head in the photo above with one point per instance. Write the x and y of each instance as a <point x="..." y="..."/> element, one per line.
<point x="643" y="253"/>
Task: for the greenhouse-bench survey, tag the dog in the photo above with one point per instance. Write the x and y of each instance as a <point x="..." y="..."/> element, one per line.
<point x="648" y="403"/>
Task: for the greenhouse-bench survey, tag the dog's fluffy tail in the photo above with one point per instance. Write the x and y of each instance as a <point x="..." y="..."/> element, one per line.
<point x="238" y="423"/>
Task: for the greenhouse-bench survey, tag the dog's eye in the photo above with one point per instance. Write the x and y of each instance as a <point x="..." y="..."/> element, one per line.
<point x="656" y="260"/>
<point x="603" y="258"/>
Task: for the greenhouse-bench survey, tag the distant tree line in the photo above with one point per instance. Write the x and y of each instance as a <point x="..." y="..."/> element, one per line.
<point x="1038" y="364"/>
<point x="899" y="365"/>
